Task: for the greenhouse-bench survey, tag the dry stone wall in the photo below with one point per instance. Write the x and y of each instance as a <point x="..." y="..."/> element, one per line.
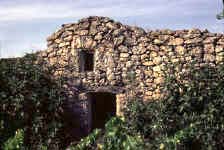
<point x="121" y="51"/>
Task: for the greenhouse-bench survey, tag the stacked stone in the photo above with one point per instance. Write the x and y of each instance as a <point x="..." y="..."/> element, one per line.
<point x="121" y="52"/>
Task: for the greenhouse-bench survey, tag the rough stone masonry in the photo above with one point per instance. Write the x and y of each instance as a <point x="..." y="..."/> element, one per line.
<point x="99" y="54"/>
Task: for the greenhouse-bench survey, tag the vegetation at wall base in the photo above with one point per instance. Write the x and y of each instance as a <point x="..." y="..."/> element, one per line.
<point x="16" y="142"/>
<point x="116" y="136"/>
<point x="189" y="117"/>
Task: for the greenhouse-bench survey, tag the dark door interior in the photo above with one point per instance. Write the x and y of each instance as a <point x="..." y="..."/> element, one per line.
<point x="103" y="107"/>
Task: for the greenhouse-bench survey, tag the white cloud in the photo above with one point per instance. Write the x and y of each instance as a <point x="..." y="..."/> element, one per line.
<point x="116" y="8"/>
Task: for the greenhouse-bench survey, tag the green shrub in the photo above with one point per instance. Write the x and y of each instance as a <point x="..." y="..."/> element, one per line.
<point x="15" y="143"/>
<point x="30" y="99"/>
<point x="89" y="142"/>
<point x="116" y="136"/>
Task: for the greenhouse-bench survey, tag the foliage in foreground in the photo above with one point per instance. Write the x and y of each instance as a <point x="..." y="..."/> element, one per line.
<point x="116" y="136"/>
<point x="16" y="142"/>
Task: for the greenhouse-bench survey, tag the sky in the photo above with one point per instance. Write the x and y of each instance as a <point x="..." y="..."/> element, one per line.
<point x="25" y="24"/>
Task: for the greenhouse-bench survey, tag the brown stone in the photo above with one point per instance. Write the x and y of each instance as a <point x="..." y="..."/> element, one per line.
<point x="219" y="49"/>
<point x="68" y="39"/>
<point x="123" y="48"/>
<point x="221" y="41"/>
<point x="149" y="93"/>
<point x="177" y="41"/>
<point x="129" y="64"/>
<point x="219" y="58"/>
<point x="124" y="55"/>
<point x="93" y="30"/>
<point x="209" y="58"/>
<point x="88" y="43"/>
<point x="144" y="56"/>
<point x="98" y="36"/>
<point x="157" y="69"/>
<point x="210" y="40"/>
<point x="166" y="48"/>
<point x="153" y="54"/>
<point x="58" y="41"/>
<point x="180" y="50"/>
<point x="157" y="60"/>
<point x="149" y="80"/>
<point x="77" y="42"/>
<point x="148" y="63"/>
<point x="193" y="41"/>
<point x="61" y="44"/>
<point x="158" y="42"/>
<point x="148" y="73"/>
<point x="209" y="48"/>
<point x="118" y="41"/>
<point x="82" y="32"/>
<point x="111" y="25"/>
<point x="66" y="34"/>
<point x="159" y="80"/>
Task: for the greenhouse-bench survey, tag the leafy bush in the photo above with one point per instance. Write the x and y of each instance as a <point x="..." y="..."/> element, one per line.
<point x="29" y="99"/>
<point x="115" y="136"/>
<point x="16" y="142"/>
<point x="89" y="142"/>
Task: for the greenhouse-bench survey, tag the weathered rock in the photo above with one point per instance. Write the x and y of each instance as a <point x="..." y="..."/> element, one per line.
<point x="123" y="48"/>
<point x="219" y="49"/>
<point x="66" y="34"/>
<point x="118" y="41"/>
<point x="124" y="55"/>
<point x="180" y="50"/>
<point x="210" y="40"/>
<point x="157" y="60"/>
<point x="61" y="45"/>
<point x="153" y="54"/>
<point x="148" y="73"/>
<point x="158" y="42"/>
<point x="159" y="80"/>
<point x="193" y="41"/>
<point x="68" y="39"/>
<point x="209" y="48"/>
<point x="88" y="42"/>
<point x="77" y="42"/>
<point x="177" y="41"/>
<point x="98" y="36"/>
<point x="111" y="25"/>
<point x="148" y="63"/>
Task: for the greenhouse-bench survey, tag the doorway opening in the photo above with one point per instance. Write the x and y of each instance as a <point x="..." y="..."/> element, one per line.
<point x="102" y="107"/>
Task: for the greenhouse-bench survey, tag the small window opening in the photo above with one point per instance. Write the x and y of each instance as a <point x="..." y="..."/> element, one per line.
<point x="86" y="61"/>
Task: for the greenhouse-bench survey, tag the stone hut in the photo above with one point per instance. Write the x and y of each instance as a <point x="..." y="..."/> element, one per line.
<point x="103" y="58"/>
